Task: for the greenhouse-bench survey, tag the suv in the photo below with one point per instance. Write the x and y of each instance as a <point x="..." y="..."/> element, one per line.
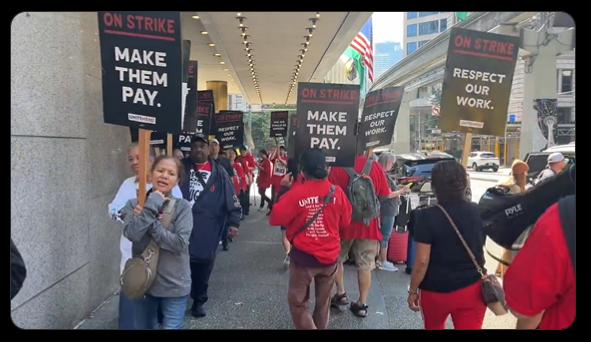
<point x="538" y="161"/>
<point x="483" y="161"/>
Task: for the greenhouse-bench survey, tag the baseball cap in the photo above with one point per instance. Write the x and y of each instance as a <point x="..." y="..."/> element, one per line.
<point x="199" y="137"/>
<point x="214" y="141"/>
<point x="555" y="157"/>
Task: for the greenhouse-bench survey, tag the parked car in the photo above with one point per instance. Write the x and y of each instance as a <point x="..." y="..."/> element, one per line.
<point x="538" y="161"/>
<point x="483" y="161"/>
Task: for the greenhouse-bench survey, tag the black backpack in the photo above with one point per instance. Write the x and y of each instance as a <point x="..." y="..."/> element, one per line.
<point x="362" y="195"/>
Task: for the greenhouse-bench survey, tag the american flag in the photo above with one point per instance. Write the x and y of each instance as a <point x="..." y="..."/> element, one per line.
<point x="363" y="44"/>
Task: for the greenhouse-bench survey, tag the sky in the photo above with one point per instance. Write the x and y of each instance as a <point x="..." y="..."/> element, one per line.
<point x="388" y="26"/>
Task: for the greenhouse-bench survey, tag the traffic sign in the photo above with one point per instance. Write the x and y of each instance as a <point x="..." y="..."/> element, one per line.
<point x="435" y="110"/>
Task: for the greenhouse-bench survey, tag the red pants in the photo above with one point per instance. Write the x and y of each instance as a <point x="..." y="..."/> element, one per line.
<point x="466" y="307"/>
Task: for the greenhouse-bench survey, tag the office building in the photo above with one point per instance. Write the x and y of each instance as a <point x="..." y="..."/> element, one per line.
<point x="386" y="55"/>
<point x="421" y="27"/>
<point x="236" y="102"/>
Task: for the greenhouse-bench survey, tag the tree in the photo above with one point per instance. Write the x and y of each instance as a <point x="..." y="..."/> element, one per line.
<point x="257" y="126"/>
<point x="436" y="96"/>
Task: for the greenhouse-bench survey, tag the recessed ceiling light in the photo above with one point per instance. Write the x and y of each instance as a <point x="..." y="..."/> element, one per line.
<point x="211" y="44"/>
<point x="222" y="62"/>
<point x="217" y="54"/>
<point x="225" y="69"/>
<point x="195" y="16"/>
<point x="204" y="32"/>
<point x="229" y="75"/>
<point x="238" y="14"/>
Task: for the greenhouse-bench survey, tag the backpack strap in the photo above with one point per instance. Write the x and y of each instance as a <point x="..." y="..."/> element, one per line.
<point x="168" y="212"/>
<point x="567" y="210"/>
<point x="352" y="174"/>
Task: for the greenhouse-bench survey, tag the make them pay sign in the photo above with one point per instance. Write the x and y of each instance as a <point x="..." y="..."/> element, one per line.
<point x="326" y="129"/>
<point x="139" y="76"/>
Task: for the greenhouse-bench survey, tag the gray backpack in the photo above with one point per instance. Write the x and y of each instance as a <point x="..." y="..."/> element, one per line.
<point x="140" y="271"/>
<point x="362" y="195"/>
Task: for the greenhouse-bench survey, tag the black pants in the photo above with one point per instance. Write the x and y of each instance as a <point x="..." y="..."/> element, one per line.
<point x="244" y="202"/>
<point x="264" y="198"/>
<point x="200" y="273"/>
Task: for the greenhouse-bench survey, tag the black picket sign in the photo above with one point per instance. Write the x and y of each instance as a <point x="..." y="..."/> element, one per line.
<point x="190" y="120"/>
<point x="230" y="129"/>
<point x="142" y="69"/>
<point x="279" y="121"/>
<point x="207" y="97"/>
<point x="291" y="139"/>
<point x="477" y="82"/>
<point x="330" y="113"/>
<point x="378" y="119"/>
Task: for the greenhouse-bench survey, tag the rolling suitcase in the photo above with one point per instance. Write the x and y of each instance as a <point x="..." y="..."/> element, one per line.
<point x="397" y="248"/>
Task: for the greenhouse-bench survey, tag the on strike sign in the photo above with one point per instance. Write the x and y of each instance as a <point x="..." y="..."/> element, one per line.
<point x="327" y="114"/>
<point x="142" y="69"/>
<point x="477" y="82"/>
<point x="378" y="120"/>
<point x="279" y="124"/>
<point x="230" y="128"/>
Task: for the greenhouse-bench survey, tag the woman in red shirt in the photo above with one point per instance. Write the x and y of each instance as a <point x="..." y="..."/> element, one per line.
<point x="238" y="178"/>
<point x="312" y="214"/>
<point x="249" y="165"/>
<point x="279" y="170"/>
<point x="264" y="179"/>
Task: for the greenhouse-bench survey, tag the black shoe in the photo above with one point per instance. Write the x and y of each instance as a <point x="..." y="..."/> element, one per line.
<point x="226" y="247"/>
<point x="198" y="312"/>
<point x="408" y="270"/>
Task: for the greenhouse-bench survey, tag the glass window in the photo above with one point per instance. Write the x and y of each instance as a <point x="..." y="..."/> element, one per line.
<point x="563" y="115"/>
<point x="566" y="82"/>
<point x="411" y="47"/>
<point x="426" y="14"/>
<point x="423" y="42"/>
<point x="411" y="15"/>
<point x="442" y="25"/>
<point x="429" y="27"/>
<point x="411" y="30"/>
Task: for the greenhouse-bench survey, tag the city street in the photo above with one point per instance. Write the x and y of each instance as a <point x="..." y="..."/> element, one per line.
<point x="248" y="287"/>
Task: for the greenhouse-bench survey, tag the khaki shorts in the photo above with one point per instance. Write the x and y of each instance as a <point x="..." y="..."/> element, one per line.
<point x="364" y="252"/>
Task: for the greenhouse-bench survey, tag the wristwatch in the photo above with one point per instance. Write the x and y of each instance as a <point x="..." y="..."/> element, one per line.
<point x="411" y="291"/>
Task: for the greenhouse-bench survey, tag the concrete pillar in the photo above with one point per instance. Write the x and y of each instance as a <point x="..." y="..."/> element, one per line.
<point x="539" y="81"/>
<point x="66" y="165"/>
<point x="401" y="141"/>
<point x="220" y="94"/>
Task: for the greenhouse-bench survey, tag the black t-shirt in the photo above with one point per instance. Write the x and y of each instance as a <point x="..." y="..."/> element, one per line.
<point x="450" y="267"/>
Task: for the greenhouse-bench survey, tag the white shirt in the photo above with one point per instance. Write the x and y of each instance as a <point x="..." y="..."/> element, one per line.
<point x="126" y="192"/>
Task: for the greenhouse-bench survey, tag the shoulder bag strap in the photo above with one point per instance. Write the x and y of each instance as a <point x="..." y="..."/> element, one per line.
<point x="478" y="268"/>
<point x="168" y="212"/>
<point x="327" y="199"/>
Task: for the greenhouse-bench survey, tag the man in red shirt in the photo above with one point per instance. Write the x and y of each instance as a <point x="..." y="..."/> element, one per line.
<point x="540" y="283"/>
<point x="363" y="241"/>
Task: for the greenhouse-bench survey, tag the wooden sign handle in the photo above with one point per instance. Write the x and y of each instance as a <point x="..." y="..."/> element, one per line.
<point x="144" y="147"/>
<point x="169" y="144"/>
<point x="466" y="150"/>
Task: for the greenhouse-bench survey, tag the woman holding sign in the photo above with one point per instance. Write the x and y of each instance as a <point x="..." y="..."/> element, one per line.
<point x="279" y="170"/>
<point x="264" y="179"/>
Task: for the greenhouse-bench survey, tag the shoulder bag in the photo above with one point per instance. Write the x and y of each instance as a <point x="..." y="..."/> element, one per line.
<point x="315" y="216"/>
<point x="140" y="271"/>
<point x="492" y="291"/>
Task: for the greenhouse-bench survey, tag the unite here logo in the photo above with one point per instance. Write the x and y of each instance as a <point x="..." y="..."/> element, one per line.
<point x="514" y="210"/>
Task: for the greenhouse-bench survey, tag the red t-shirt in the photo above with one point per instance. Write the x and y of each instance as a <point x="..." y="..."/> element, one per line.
<point x="296" y="206"/>
<point x="249" y="159"/>
<point x="238" y="178"/>
<point x="279" y="171"/>
<point x="541" y="275"/>
<point x="357" y="230"/>
<point x="264" y="177"/>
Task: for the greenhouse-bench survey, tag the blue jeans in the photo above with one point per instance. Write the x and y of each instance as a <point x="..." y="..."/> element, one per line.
<point x="126" y="312"/>
<point x="386" y="225"/>
<point x="173" y="312"/>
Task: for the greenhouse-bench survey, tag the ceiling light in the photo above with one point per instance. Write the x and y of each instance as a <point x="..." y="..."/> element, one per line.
<point x="211" y="44"/>
<point x="225" y="69"/>
<point x="317" y="14"/>
<point x="195" y="16"/>
<point x="217" y="54"/>
<point x="204" y="32"/>
<point x="229" y="75"/>
<point x="222" y="62"/>
<point x="239" y="14"/>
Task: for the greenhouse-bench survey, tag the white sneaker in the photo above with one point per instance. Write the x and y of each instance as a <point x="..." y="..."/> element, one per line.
<point x="387" y="266"/>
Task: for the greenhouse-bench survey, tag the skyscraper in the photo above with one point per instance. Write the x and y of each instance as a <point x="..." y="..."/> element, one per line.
<point x="421" y="27"/>
<point x="386" y="55"/>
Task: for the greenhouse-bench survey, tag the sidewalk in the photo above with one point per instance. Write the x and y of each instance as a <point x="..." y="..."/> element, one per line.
<point x="248" y="291"/>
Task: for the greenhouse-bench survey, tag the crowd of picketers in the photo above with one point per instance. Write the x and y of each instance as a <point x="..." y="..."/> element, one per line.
<point x="328" y="215"/>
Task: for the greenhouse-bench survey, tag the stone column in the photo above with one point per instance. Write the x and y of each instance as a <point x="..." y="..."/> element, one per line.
<point x="401" y="141"/>
<point x="220" y="94"/>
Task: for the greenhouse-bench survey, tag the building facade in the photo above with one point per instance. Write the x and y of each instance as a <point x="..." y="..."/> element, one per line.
<point x="236" y="102"/>
<point x="420" y="27"/>
<point x="565" y="95"/>
<point x="386" y="55"/>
